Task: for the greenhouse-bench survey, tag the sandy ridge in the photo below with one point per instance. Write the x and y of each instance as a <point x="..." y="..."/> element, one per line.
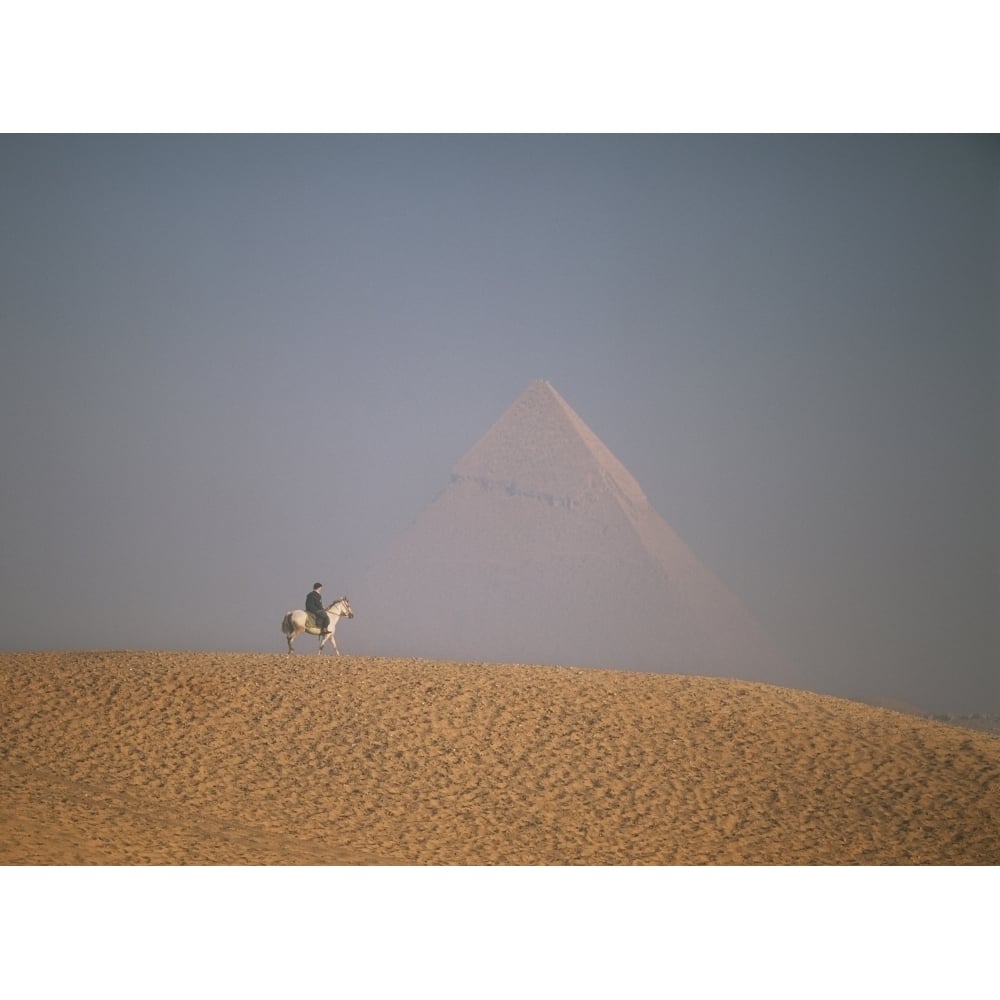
<point x="124" y="757"/>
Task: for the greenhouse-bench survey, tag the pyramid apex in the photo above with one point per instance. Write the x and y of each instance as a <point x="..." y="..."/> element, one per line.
<point x="540" y="445"/>
<point x="540" y="383"/>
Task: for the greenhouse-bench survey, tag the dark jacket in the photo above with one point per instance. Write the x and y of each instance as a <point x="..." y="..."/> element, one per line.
<point x="314" y="602"/>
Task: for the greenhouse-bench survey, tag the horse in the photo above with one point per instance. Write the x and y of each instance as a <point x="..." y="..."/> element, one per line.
<point x="296" y="622"/>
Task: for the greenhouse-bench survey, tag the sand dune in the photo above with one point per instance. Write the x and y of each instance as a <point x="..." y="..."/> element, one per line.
<point x="145" y="758"/>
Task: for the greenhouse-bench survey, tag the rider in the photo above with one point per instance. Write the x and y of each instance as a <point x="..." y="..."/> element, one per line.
<point x="314" y="603"/>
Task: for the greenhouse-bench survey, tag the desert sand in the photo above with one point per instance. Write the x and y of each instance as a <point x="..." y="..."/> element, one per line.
<point x="171" y="758"/>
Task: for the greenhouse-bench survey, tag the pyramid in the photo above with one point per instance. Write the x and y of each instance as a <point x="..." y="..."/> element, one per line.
<point x="543" y="548"/>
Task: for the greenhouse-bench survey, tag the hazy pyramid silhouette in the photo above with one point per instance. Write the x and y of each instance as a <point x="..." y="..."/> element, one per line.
<point x="543" y="549"/>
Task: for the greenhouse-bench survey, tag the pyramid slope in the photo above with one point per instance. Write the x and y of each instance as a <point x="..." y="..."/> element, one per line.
<point x="543" y="548"/>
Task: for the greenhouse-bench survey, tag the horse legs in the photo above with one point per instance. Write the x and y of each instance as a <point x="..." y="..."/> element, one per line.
<point x="325" y="638"/>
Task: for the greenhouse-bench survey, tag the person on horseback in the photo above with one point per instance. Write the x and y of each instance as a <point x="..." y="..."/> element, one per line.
<point x="314" y="604"/>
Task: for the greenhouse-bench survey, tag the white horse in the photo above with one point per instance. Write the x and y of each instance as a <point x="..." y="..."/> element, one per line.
<point x="296" y="622"/>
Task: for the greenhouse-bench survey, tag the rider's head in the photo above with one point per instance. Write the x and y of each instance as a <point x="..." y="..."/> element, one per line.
<point x="317" y="586"/>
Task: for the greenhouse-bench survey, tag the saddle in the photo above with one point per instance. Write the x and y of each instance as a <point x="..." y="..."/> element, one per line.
<point x="311" y="621"/>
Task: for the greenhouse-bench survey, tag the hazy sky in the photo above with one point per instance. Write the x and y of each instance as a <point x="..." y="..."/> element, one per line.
<point x="233" y="366"/>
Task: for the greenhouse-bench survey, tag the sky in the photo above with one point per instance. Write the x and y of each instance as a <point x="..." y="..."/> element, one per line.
<point x="233" y="366"/>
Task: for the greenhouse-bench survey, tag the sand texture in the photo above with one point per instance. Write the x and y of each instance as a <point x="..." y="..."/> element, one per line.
<point x="165" y="758"/>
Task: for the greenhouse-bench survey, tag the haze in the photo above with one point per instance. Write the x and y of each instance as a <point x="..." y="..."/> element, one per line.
<point x="233" y="366"/>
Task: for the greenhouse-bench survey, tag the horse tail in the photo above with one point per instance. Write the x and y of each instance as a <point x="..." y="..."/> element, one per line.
<point x="286" y="623"/>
